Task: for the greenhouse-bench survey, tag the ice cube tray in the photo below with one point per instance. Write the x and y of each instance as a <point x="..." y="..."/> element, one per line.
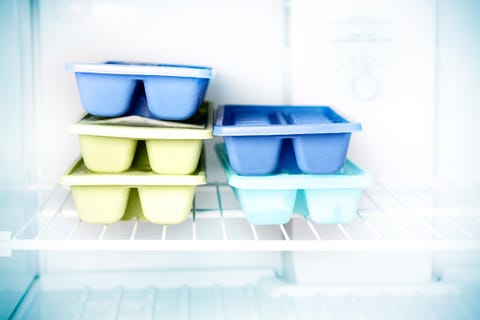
<point x="272" y="199"/>
<point x="139" y="193"/>
<point x="254" y="137"/>
<point x="173" y="92"/>
<point x="171" y="147"/>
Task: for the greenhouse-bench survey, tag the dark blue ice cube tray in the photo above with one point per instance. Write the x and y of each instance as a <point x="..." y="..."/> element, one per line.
<point x="172" y="92"/>
<point x="254" y="137"/>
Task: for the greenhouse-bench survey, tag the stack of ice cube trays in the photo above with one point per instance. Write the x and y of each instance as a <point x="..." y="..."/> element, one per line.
<point x="141" y="141"/>
<point x="281" y="160"/>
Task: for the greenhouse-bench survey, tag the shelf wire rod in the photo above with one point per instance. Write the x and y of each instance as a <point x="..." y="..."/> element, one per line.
<point x="253" y="303"/>
<point x="284" y="232"/>
<point x="74" y="229"/>
<point x="394" y="312"/>
<point x="412" y="214"/>
<point x="446" y="218"/>
<point x="254" y="231"/>
<point x="50" y="221"/>
<point x="31" y="298"/>
<point x="82" y="303"/>
<point x="194" y="219"/>
<point x="358" y="308"/>
<point x="224" y="230"/>
<point x="194" y="231"/>
<point x="184" y="297"/>
<point x="325" y="312"/>
<point x="470" y="186"/>
<point x="392" y="219"/>
<point x="33" y="217"/>
<point x="118" y="303"/>
<point x="220" y="209"/>
<point x="104" y="230"/>
<point x="417" y="194"/>
<point x="458" y="227"/>
<point x="375" y="233"/>
<point x="151" y="303"/>
<point x="289" y="308"/>
<point x="134" y="230"/>
<point x="312" y="228"/>
<point x="164" y="232"/>
<point x="219" y="303"/>
<point x="344" y="232"/>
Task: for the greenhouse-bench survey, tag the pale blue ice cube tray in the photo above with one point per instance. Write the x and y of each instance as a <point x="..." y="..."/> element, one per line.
<point x="273" y="199"/>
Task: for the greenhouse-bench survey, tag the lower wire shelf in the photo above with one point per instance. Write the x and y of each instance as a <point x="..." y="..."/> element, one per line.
<point x="390" y="217"/>
<point x="254" y="294"/>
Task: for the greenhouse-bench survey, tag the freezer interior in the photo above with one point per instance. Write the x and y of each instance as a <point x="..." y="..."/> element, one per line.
<point x="406" y="71"/>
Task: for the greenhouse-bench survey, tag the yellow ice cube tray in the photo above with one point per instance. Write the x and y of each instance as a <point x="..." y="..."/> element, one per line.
<point x="109" y="145"/>
<point x="105" y="198"/>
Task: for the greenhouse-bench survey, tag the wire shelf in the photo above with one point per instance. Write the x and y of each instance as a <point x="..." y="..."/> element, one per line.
<point x="390" y="217"/>
<point x="126" y="296"/>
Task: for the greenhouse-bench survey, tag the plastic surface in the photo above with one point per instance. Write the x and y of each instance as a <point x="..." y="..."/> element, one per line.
<point x="139" y="193"/>
<point x="238" y="294"/>
<point x="255" y="135"/>
<point x="272" y="199"/>
<point x="174" y="149"/>
<point x="112" y="89"/>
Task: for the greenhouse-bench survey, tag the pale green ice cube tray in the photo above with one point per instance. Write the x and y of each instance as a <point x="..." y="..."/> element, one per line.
<point x="171" y="147"/>
<point x="105" y="198"/>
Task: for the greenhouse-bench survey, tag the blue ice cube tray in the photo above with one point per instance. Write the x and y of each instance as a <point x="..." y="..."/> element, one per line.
<point x="255" y="135"/>
<point x="272" y="199"/>
<point x="172" y="92"/>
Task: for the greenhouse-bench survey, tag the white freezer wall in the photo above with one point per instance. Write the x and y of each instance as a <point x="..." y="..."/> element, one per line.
<point x="374" y="61"/>
<point x="242" y="40"/>
<point x="457" y="94"/>
<point x="407" y="71"/>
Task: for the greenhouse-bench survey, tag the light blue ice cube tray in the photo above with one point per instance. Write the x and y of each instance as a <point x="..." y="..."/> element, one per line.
<point x="173" y="92"/>
<point x="255" y="135"/>
<point x="272" y="199"/>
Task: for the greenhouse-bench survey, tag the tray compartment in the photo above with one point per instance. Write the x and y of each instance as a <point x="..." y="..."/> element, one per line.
<point x="139" y="193"/>
<point x="166" y="147"/>
<point x="255" y="135"/>
<point x="173" y="92"/>
<point x="274" y="198"/>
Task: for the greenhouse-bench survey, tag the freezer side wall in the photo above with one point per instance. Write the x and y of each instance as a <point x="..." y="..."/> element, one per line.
<point x="17" y="167"/>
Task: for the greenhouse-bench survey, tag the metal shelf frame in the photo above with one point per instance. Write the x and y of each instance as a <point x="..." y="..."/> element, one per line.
<point x="390" y="217"/>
